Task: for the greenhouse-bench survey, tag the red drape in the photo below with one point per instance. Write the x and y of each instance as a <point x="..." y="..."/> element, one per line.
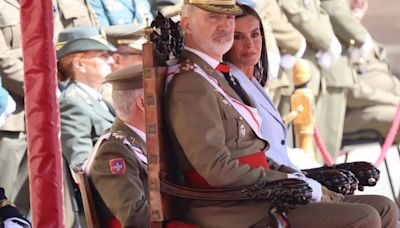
<point x="42" y="113"/>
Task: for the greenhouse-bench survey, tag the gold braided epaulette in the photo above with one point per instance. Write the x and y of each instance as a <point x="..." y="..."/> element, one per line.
<point x="187" y="65"/>
<point x="5" y="202"/>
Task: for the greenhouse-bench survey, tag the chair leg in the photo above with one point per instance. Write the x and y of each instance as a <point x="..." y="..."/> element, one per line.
<point x="390" y="180"/>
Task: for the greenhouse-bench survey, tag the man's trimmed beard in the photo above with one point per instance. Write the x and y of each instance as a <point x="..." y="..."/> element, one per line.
<point x="216" y="45"/>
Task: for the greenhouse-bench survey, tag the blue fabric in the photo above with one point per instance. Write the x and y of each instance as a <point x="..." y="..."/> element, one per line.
<point x="118" y="12"/>
<point x="273" y="130"/>
<point x="3" y="99"/>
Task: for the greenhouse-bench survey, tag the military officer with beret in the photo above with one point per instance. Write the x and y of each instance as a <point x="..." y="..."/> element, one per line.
<point x="13" y="156"/>
<point x="119" y="167"/>
<point x="215" y="134"/>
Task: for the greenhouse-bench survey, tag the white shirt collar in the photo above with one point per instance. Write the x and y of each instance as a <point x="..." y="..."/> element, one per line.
<point x="138" y="131"/>
<point x="92" y="92"/>
<point x="208" y="59"/>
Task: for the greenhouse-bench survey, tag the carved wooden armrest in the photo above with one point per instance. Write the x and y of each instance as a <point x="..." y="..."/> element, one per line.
<point x="337" y="180"/>
<point x="288" y="192"/>
<point x="366" y="173"/>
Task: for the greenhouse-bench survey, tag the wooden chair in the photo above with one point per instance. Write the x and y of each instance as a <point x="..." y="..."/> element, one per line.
<point x="164" y="184"/>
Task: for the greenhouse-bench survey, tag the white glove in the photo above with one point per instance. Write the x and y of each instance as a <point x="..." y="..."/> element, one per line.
<point x="363" y="51"/>
<point x="327" y="58"/>
<point x="15" y="222"/>
<point x="288" y="60"/>
<point x="314" y="185"/>
<point x="273" y="65"/>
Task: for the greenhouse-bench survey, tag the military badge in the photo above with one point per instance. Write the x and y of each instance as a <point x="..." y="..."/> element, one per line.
<point x="117" y="166"/>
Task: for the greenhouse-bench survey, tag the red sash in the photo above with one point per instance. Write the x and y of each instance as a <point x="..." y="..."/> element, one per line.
<point x="193" y="178"/>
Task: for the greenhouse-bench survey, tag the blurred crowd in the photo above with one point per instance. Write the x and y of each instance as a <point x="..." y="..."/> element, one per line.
<point x="352" y="83"/>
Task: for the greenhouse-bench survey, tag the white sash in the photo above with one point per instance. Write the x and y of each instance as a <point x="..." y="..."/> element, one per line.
<point x="249" y="114"/>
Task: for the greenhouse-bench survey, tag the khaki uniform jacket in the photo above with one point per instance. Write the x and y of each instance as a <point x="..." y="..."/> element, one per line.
<point x="346" y="28"/>
<point x="206" y="138"/>
<point x="125" y="195"/>
<point x="287" y="37"/>
<point x="11" y="66"/>
<point x="73" y="13"/>
<point x="83" y="121"/>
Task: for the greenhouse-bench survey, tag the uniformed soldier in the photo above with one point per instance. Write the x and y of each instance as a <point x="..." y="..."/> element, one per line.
<point x="119" y="12"/>
<point x="83" y="61"/>
<point x="289" y="46"/>
<point x="128" y="39"/>
<point x="73" y="13"/>
<point x="215" y="136"/>
<point x="119" y="168"/>
<point x="13" y="157"/>
<point x="373" y="101"/>
<point x="330" y="71"/>
<point x="355" y="41"/>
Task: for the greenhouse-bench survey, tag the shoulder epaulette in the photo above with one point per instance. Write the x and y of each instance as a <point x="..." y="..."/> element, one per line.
<point x="118" y="136"/>
<point x="187" y="65"/>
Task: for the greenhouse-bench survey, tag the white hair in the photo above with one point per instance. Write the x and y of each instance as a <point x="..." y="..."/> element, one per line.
<point x="125" y="102"/>
<point x="187" y="10"/>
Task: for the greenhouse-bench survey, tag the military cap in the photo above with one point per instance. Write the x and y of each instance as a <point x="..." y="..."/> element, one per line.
<point x="79" y="39"/>
<point x="127" y="78"/>
<point x="127" y="34"/>
<point x="217" y="6"/>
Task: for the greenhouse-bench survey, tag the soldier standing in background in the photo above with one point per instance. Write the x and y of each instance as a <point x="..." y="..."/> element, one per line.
<point x="355" y="41"/>
<point x="373" y="101"/>
<point x="13" y="156"/>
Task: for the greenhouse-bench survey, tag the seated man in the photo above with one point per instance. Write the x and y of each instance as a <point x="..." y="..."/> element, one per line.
<point x="83" y="63"/>
<point x="119" y="167"/>
<point x="372" y="103"/>
<point x="216" y="135"/>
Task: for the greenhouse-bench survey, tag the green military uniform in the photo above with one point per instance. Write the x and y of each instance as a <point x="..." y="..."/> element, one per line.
<point x="314" y="24"/>
<point x="124" y="194"/>
<point x="373" y="101"/>
<point x="339" y="78"/>
<point x="119" y="167"/>
<point x="13" y="157"/>
<point x="83" y="120"/>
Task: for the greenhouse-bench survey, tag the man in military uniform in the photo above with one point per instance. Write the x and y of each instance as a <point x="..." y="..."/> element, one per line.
<point x="372" y="103"/>
<point x="119" y="168"/>
<point x="216" y="139"/>
<point x="128" y="39"/>
<point x="13" y="156"/>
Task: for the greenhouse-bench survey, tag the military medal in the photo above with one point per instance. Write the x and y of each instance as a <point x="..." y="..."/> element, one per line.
<point x="242" y="130"/>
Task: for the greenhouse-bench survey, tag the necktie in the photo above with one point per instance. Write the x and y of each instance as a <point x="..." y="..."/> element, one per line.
<point x="225" y="70"/>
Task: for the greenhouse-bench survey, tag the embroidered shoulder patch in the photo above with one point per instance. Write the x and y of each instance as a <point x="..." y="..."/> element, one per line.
<point x="117" y="166"/>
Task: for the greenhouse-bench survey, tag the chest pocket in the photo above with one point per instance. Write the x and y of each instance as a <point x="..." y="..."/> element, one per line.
<point x="10" y="24"/>
<point x="75" y="12"/>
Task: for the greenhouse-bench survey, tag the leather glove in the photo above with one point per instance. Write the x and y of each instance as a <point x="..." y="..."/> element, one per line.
<point x="329" y="196"/>
<point x="327" y="58"/>
<point x="316" y="187"/>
